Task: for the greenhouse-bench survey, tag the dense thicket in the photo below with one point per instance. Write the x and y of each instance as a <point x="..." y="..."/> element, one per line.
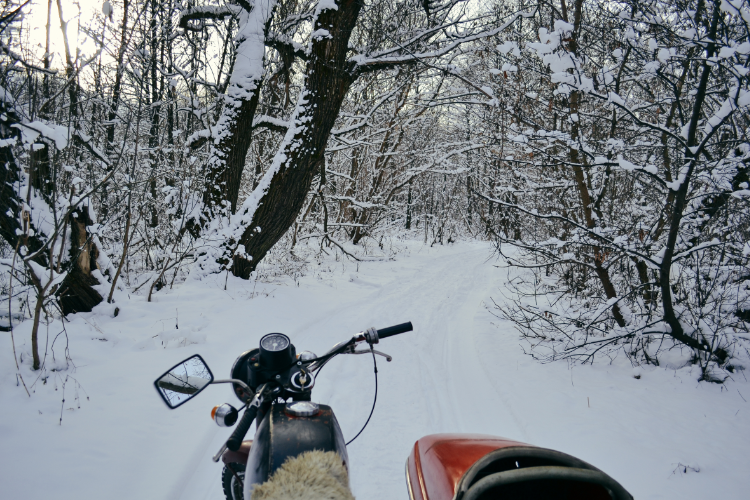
<point x="624" y="139"/>
<point x="603" y="148"/>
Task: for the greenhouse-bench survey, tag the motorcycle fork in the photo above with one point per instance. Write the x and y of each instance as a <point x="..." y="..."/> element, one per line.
<point x="240" y="456"/>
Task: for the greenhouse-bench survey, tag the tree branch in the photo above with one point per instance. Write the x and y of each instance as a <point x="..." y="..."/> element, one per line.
<point x="286" y="47"/>
<point x="208" y="12"/>
<point x="270" y="123"/>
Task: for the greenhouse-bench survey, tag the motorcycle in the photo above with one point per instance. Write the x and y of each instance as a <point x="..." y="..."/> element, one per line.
<point x="275" y="386"/>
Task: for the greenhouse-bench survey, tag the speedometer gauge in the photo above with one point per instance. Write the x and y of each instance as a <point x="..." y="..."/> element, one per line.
<point x="276" y="352"/>
<point x="274" y="342"/>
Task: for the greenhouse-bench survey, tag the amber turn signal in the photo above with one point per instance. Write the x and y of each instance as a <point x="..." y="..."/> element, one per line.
<point x="224" y="415"/>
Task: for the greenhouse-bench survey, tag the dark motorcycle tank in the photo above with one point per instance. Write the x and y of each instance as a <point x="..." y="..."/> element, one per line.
<point x="280" y="436"/>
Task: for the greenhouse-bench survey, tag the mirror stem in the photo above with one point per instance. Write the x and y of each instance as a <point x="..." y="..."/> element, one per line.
<point x="234" y="381"/>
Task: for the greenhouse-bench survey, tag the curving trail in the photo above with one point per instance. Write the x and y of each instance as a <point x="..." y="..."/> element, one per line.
<point x="461" y="370"/>
<point x="434" y="377"/>
<point x="436" y="382"/>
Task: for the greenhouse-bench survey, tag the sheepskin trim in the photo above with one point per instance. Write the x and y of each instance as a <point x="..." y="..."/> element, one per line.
<point x="313" y="475"/>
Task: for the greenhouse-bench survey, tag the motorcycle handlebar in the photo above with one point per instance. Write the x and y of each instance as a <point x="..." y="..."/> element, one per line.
<point x="235" y="440"/>
<point x="341" y="347"/>
<point x="395" y="330"/>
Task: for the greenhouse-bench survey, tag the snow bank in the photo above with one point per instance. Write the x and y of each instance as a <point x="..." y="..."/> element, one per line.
<point x="661" y="434"/>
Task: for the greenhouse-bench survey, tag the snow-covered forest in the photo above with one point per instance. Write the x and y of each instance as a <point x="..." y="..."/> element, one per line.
<point x="596" y="152"/>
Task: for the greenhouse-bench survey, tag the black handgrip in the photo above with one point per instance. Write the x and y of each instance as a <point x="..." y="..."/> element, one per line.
<point x="395" y="330"/>
<point x="235" y="440"/>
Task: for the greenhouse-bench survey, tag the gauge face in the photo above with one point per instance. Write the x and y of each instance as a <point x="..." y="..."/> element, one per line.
<point x="274" y="342"/>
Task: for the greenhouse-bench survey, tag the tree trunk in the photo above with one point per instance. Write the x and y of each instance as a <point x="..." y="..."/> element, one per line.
<point x="45" y="110"/>
<point x="115" y="103"/>
<point x="153" y="138"/>
<point x="234" y="128"/>
<point x="583" y="189"/>
<point x="11" y="205"/>
<point x="34" y="333"/>
<point x="76" y="292"/>
<point x="70" y="71"/>
<point x="301" y="154"/>
<point x="680" y="202"/>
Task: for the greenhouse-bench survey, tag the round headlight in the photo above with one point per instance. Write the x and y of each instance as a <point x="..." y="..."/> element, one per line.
<point x="302" y="409"/>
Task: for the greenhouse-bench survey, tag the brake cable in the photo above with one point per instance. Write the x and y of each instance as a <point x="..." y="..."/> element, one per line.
<point x="374" y="400"/>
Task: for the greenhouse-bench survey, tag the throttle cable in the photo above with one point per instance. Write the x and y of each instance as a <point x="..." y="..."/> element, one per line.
<point x="374" y="400"/>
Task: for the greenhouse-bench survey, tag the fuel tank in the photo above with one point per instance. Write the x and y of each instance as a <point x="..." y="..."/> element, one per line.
<point x="281" y="435"/>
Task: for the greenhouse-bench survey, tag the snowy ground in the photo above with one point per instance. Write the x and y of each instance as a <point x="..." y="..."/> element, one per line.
<point x="664" y="436"/>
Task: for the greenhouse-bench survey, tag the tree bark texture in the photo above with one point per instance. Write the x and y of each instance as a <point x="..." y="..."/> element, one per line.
<point x="224" y="176"/>
<point x="77" y="293"/>
<point x="327" y="81"/>
<point x="232" y="135"/>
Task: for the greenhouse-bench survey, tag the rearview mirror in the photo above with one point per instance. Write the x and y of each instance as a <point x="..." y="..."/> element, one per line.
<point x="183" y="381"/>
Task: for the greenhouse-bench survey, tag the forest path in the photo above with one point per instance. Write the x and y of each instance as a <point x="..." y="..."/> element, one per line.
<point x="460" y="370"/>
<point x="435" y="374"/>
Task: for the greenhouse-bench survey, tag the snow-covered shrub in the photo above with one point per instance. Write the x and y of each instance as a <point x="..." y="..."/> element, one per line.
<point x="626" y="162"/>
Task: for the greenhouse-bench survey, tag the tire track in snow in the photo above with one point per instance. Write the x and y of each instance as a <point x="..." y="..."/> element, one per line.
<point x="471" y="380"/>
<point x="451" y="373"/>
<point x="442" y="295"/>
<point x="456" y="286"/>
<point x="443" y="298"/>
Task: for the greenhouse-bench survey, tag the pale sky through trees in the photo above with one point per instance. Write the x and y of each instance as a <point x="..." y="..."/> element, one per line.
<point x="82" y="11"/>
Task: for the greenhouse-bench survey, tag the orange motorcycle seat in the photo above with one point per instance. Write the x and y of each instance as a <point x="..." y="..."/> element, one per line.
<point x="438" y="461"/>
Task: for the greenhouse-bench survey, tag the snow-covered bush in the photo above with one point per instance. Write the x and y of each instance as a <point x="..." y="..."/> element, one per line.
<point x="626" y="161"/>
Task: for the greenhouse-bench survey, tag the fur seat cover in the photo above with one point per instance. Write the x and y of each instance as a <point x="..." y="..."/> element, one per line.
<point x="313" y="475"/>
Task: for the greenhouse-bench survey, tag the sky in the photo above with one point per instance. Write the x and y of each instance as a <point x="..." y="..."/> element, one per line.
<point x="74" y="12"/>
<point x="84" y="13"/>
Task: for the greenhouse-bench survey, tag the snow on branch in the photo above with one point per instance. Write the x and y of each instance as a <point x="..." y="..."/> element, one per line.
<point x="30" y="132"/>
<point x="286" y="46"/>
<point x="198" y="139"/>
<point x="270" y="123"/>
<point x="595" y="233"/>
<point x="356" y="203"/>
<point x="403" y="55"/>
<point x="208" y="12"/>
<point x="19" y="59"/>
<point x="365" y="119"/>
<point x="87" y="143"/>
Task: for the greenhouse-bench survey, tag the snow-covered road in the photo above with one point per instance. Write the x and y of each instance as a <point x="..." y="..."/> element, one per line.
<point x="461" y="370"/>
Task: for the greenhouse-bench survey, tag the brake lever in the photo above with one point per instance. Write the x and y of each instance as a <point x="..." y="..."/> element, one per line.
<point x="370" y="336"/>
<point x="368" y="351"/>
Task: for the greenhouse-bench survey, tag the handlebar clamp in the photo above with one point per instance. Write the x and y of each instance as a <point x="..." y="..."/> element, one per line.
<point x="371" y="335"/>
